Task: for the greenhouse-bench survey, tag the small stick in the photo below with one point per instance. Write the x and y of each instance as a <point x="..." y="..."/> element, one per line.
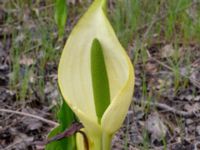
<point x="74" y="128"/>
<point x="30" y="115"/>
<point x="193" y="81"/>
<point x="70" y="131"/>
<point x="170" y="109"/>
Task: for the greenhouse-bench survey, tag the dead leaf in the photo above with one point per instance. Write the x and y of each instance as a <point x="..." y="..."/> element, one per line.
<point x="197" y="98"/>
<point x="194" y="108"/>
<point x="194" y="77"/>
<point x="20" y="38"/>
<point x="167" y="51"/>
<point x="26" y="61"/>
<point x="151" y="67"/>
<point x="156" y="127"/>
<point x="198" y="130"/>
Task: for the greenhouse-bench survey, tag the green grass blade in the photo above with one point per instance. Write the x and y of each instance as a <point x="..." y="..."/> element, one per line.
<point x="100" y="82"/>
<point x="60" y="15"/>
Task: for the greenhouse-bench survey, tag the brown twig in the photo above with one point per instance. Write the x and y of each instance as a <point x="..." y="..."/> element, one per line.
<point x="30" y="115"/>
<point x="70" y="131"/>
<point x="74" y="128"/>
<point x="193" y="81"/>
<point x="170" y="109"/>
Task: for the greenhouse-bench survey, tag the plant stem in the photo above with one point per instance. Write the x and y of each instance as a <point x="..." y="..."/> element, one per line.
<point x="102" y="142"/>
<point x="97" y="145"/>
<point x="106" y="141"/>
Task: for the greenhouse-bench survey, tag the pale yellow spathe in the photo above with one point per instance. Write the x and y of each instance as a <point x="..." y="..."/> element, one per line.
<point x="74" y="74"/>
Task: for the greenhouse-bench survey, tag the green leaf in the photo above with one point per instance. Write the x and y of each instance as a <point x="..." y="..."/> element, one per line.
<point x="56" y="145"/>
<point x="66" y="118"/>
<point x="60" y="15"/>
<point x="100" y="82"/>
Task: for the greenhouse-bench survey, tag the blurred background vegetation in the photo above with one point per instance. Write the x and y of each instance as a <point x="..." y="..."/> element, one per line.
<point x="164" y="31"/>
<point x="34" y="42"/>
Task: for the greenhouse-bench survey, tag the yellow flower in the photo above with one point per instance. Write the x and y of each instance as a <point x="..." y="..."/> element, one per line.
<point x="76" y="77"/>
